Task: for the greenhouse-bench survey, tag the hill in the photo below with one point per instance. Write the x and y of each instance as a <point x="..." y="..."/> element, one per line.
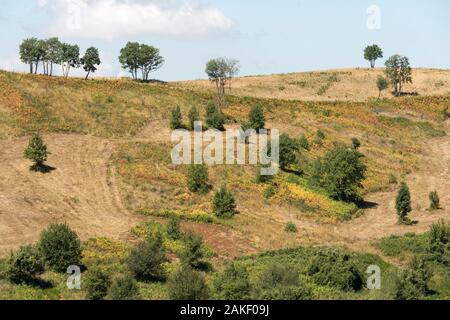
<point x="329" y="85"/>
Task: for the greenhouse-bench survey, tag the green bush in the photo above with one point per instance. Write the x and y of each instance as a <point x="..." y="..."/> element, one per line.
<point x="215" y="119"/>
<point x="288" y="149"/>
<point x="97" y="283"/>
<point x="187" y="284"/>
<point x="356" y="144"/>
<point x="334" y="269"/>
<point x="434" y="200"/>
<point x="340" y="172"/>
<point x="176" y="120"/>
<point x="232" y="284"/>
<point x="124" y="288"/>
<point x="24" y="265"/>
<point x="36" y="151"/>
<point x="224" y="204"/>
<point x="146" y="260"/>
<point x="60" y="247"/>
<point x="413" y="282"/>
<point x="197" y="178"/>
<point x="269" y="192"/>
<point x="192" y="253"/>
<point x="174" y="228"/>
<point x="320" y="135"/>
<point x="403" y="204"/>
<point x="439" y="242"/>
<point x="193" y="117"/>
<point x="256" y="119"/>
<point x="291" y="228"/>
<point x="304" y="143"/>
<point x="260" y="178"/>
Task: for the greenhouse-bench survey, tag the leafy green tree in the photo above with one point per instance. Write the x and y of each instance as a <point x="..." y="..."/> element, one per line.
<point x="146" y="260"/>
<point x="129" y="58"/>
<point x="176" y="121"/>
<point x="70" y="58"/>
<point x="232" y="284"/>
<point x="124" y="288"/>
<point x="174" y="228"/>
<point x="413" y="282"/>
<point x="135" y="57"/>
<point x="288" y="149"/>
<point x="221" y="71"/>
<point x="398" y="71"/>
<point x="256" y="119"/>
<point x="192" y="254"/>
<point x="27" y="52"/>
<point x="53" y="54"/>
<point x="24" y="265"/>
<point x="434" y="200"/>
<point x="403" y="204"/>
<point x="382" y="84"/>
<point x="197" y="178"/>
<point x="90" y="61"/>
<point x="187" y="284"/>
<point x="439" y="242"/>
<point x="97" y="284"/>
<point x="36" y="151"/>
<point x="340" y="172"/>
<point x="215" y="119"/>
<point x="193" y="117"/>
<point x="372" y="53"/>
<point x="60" y="247"/>
<point x="224" y="204"/>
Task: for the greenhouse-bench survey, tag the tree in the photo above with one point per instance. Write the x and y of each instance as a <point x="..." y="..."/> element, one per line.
<point x="24" y="265"/>
<point x="90" y="60"/>
<point x="413" y="282"/>
<point x="382" y="84"/>
<point x="403" y="204"/>
<point x="372" y="53"/>
<point x="60" y="247"/>
<point x="398" y="71"/>
<point x="193" y="117"/>
<point x="288" y="149"/>
<point x="256" y="119"/>
<point x="340" y="172"/>
<point x="176" y="121"/>
<point x="97" y="284"/>
<point x="192" y="253"/>
<point x="174" y="228"/>
<point x="434" y="200"/>
<point x="215" y="119"/>
<point x="224" y="204"/>
<point x="36" y="151"/>
<point x="232" y="284"/>
<point x="187" y="284"/>
<point x="70" y="58"/>
<point x="135" y="56"/>
<point x="439" y="242"/>
<point x="27" y="52"/>
<point x="197" y="178"/>
<point x="221" y="72"/>
<point x="124" y="288"/>
<point x="146" y="259"/>
<point x="53" y="53"/>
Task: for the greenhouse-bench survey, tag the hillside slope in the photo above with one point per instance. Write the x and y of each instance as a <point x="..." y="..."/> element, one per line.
<point x="329" y="85"/>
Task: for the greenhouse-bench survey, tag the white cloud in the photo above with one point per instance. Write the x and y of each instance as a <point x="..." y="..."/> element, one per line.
<point x="110" y="19"/>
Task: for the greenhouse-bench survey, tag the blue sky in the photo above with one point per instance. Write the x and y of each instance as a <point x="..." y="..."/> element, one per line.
<point x="267" y="36"/>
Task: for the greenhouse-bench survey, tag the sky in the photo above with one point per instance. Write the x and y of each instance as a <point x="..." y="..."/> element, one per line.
<point x="266" y="36"/>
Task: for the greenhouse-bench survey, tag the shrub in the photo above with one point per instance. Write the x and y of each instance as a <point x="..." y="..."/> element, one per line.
<point x="193" y="117"/>
<point x="434" y="200"/>
<point x="215" y="119"/>
<point x="304" y="143"/>
<point x="403" y="204"/>
<point x="392" y="179"/>
<point x="288" y="149"/>
<point x="24" y="265"/>
<point x="224" y="204"/>
<point x="187" y="284"/>
<point x="197" y="178"/>
<point x="382" y="84"/>
<point x="269" y="192"/>
<point x="176" y="121"/>
<point x="97" y="284"/>
<point x="335" y="269"/>
<point x="124" y="288"/>
<point x="232" y="284"/>
<point x="290" y="293"/>
<point x="146" y="259"/>
<point x="60" y="247"/>
<point x="356" y="144"/>
<point x="36" y="151"/>
<point x="439" y="242"/>
<point x="413" y="282"/>
<point x="174" y="228"/>
<point x="256" y="119"/>
<point x="291" y="228"/>
<point x="340" y="172"/>
<point x="192" y="253"/>
<point x="320" y="135"/>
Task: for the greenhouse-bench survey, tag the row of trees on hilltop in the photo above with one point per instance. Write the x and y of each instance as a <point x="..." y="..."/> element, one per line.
<point x="51" y="52"/>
